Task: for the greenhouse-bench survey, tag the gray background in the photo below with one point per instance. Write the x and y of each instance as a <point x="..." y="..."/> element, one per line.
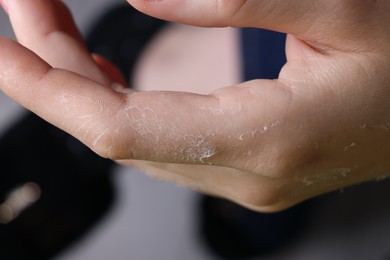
<point x="154" y="220"/>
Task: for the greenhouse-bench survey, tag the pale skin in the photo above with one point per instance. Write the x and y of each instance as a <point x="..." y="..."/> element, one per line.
<point x="324" y="124"/>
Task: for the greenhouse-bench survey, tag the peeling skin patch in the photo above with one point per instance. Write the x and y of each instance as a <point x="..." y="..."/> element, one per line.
<point x="262" y="130"/>
<point x="152" y="129"/>
<point x="385" y="127"/>
<point x="198" y="149"/>
<point x="207" y="153"/>
<point x="144" y="121"/>
<point x="234" y="108"/>
<point x="349" y="146"/>
<point x="332" y="176"/>
<point x="68" y="102"/>
<point x="214" y="110"/>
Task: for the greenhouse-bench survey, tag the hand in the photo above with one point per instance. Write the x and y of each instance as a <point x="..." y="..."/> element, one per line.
<point x="266" y="144"/>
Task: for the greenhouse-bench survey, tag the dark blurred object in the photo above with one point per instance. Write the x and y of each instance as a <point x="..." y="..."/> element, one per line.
<point x="234" y="232"/>
<point x="262" y="53"/>
<point x="53" y="189"/>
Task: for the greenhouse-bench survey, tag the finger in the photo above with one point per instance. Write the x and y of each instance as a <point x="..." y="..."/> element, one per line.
<point x="47" y="28"/>
<point x="61" y="97"/>
<point x="46" y="17"/>
<point x="159" y="126"/>
<point x="313" y="21"/>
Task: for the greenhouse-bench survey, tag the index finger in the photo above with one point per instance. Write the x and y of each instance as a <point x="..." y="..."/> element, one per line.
<point x="159" y="126"/>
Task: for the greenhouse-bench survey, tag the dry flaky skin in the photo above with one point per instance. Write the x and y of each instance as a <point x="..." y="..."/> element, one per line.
<point x="266" y="144"/>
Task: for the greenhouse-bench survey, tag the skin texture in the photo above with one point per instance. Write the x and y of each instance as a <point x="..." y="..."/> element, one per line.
<point x="322" y="125"/>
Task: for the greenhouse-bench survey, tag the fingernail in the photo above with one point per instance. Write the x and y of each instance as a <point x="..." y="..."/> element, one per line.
<point x="4" y="4"/>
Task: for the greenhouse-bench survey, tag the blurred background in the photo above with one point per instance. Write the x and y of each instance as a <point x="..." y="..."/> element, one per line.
<point x="83" y="207"/>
